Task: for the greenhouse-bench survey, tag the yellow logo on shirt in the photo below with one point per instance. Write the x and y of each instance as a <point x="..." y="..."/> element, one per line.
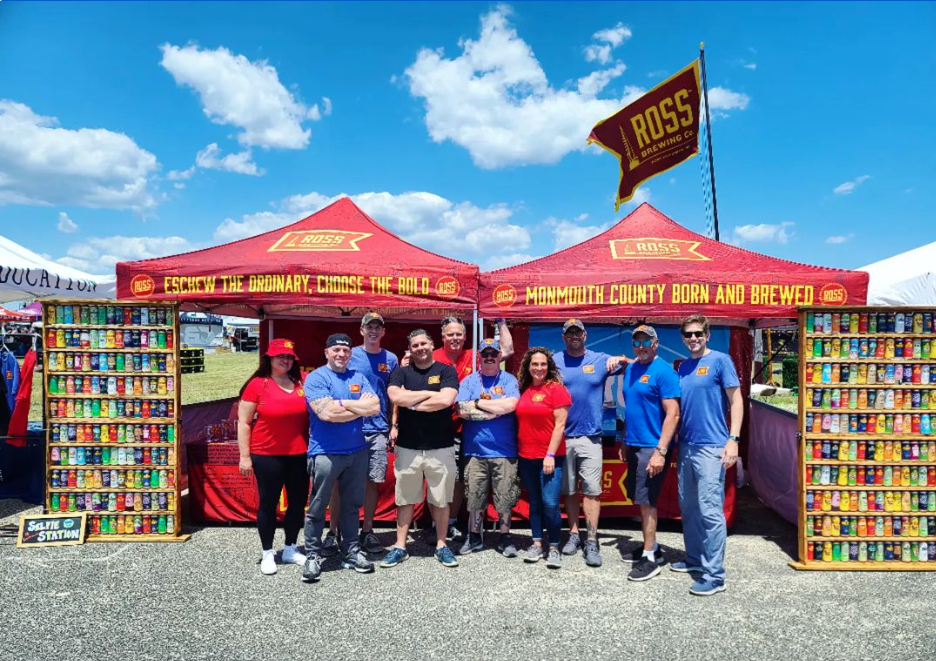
<point x="539" y="398"/>
<point x="434" y="379"/>
<point x="300" y="391"/>
<point x="498" y="390"/>
<point x="645" y="378"/>
<point x="355" y="387"/>
<point x="702" y="371"/>
<point x="383" y="367"/>
<point x="467" y="370"/>
<point x="485" y="395"/>
<point x="588" y="369"/>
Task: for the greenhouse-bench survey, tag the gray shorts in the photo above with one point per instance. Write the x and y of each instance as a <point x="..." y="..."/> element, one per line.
<point x="495" y="474"/>
<point x="641" y="488"/>
<point x="376" y="457"/>
<point x="584" y="459"/>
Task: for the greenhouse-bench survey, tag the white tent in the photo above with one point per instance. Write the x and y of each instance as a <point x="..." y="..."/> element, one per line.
<point x="26" y="275"/>
<point x="905" y="279"/>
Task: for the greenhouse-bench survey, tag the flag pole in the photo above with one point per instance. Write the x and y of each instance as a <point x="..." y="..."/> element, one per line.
<point x="708" y="129"/>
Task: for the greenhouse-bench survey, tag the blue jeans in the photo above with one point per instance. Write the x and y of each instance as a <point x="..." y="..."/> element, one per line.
<point x="543" y="492"/>
<point x="702" y="501"/>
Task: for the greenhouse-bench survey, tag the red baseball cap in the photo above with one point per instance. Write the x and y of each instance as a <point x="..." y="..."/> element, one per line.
<point x="281" y="347"/>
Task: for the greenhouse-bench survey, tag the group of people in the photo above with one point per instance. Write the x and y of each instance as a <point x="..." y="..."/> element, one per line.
<point x="474" y="432"/>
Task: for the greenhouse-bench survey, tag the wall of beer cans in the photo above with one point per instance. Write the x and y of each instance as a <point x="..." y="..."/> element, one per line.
<point x="867" y="412"/>
<point x="112" y="397"/>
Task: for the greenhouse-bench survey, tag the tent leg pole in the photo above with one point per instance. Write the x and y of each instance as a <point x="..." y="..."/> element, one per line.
<point x="474" y="346"/>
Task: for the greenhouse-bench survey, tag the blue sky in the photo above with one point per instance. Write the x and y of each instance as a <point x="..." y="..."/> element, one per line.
<point x="133" y="130"/>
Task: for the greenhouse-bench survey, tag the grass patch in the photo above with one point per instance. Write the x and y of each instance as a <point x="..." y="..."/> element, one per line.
<point x="787" y="402"/>
<point x="223" y="377"/>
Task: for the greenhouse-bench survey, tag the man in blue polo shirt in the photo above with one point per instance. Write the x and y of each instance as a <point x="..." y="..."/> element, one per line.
<point x="337" y="398"/>
<point x="486" y="402"/>
<point x="651" y="414"/>
<point x="583" y="374"/>
<point x="709" y="383"/>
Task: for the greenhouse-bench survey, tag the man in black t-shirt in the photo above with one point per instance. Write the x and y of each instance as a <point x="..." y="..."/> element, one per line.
<point x="423" y="392"/>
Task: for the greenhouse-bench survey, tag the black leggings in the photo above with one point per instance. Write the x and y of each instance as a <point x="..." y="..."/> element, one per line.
<point x="273" y="472"/>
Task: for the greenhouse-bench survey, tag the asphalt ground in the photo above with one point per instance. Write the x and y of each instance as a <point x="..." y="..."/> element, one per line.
<point x="206" y="599"/>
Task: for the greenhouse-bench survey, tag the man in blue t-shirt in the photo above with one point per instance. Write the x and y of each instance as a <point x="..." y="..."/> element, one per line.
<point x="486" y="402"/>
<point x="376" y="364"/>
<point x="651" y="414"/>
<point x="583" y="374"/>
<point x="709" y="384"/>
<point x="338" y="398"/>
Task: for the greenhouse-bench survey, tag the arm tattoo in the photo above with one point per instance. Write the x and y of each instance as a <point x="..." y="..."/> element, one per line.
<point x="319" y="404"/>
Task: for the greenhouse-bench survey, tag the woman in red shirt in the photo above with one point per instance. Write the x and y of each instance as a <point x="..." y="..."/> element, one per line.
<point x="541" y="417"/>
<point x="272" y="434"/>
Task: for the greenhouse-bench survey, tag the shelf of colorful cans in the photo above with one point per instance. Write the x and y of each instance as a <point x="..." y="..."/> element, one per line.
<point x="112" y="490"/>
<point x="110" y="350"/>
<point x="119" y="421"/>
<point x="861" y="436"/>
<point x="863" y="487"/>
<point x="871" y="361"/>
<point x="111" y="373"/>
<point x="857" y="462"/>
<point x="870" y="336"/>
<point x="151" y="327"/>
<point x="58" y="395"/>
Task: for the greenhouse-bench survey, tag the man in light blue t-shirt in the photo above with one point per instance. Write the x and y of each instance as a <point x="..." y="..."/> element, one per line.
<point x="709" y="384"/>
<point x="338" y="398"/>
<point x="583" y="374"/>
<point x="376" y="364"/>
<point x="486" y="402"/>
<point x="651" y="413"/>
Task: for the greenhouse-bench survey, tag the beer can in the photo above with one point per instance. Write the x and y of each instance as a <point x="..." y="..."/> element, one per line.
<point x="918" y="322"/>
<point x="810" y="322"/>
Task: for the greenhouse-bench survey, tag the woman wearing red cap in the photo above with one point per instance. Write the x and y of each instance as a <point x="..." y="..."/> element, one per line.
<point x="272" y="433"/>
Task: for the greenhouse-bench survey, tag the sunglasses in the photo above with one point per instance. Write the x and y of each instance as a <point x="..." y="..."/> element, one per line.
<point x="688" y="334"/>
<point x="452" y="320"/>
<point x="642" y="343"/>
<point x="489" y="354"/>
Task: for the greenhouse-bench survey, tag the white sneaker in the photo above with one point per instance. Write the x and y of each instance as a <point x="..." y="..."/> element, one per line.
<point x="268" y="563"/>
<point x="293" y="556"/>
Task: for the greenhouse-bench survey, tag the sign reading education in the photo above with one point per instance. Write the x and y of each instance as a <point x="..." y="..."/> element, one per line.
<point x="51" y="530"/>
<point x="656" y="132"/>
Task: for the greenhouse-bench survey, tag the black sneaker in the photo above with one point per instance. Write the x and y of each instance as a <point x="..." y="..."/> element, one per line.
<point x="635" y="556"/>
<point x="312" y="570"/>
<point x="506" y="546"/>
<point x="329" y="547"/>
<point x="473" y="542"/>
<point x="357" y="561"/>
<point x="370" y="543"/>
<point x="644" y="570"/>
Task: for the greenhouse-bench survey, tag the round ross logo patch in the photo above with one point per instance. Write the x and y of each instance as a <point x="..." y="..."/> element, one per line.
<point x="504" y="295"/>
<point x="447" y="287"/>
<point x="833" y="294"/>
<point x="142" y="286"/>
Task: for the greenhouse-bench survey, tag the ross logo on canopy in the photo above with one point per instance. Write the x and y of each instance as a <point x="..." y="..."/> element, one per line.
<point x="319" y="241"/>
<point x="504" y="295"/>
<point x="447" y="287"/>
<point x="656" y="248"/>
<point x="833" y="294"/>
<point x="142" y="286"/>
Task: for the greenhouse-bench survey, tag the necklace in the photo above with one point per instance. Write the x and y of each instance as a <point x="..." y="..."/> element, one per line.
<point x="486" y="393"/>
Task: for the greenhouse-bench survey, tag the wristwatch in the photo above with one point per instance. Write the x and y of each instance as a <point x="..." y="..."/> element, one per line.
<point x="733" y="438"/>
<point x="662" y="450"/>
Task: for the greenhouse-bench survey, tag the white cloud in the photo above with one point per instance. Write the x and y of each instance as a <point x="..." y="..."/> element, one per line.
<point x="721" y="98"/>
<point x="641" y="195"/>
<point x="461" y="230"/>
<point x="614" y="36"/>
<point x="503" y="261"/>
<point x="180" y="175"/>
<point x="566" y="233"/>
<point x="849" y="186"/>
<point x="600" y="53"/>
<point x="764" y="233"/>
<point x="240" y="163"/>
<point x="42" y="163"/>
<point x="495" y="100"/>
<point x="839" y="239"/>
<point x="249" y="95"/>
<point x="100" y="254"/>
<point x="65" y="224"/>
<point x="750" y="65"/>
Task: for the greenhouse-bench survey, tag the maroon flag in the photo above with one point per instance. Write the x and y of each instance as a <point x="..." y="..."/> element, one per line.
<point x="656" y="132"/>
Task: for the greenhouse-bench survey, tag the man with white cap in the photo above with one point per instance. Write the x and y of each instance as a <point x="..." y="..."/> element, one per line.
<point x="583" y="374"/>
<point x="651" y="414"/>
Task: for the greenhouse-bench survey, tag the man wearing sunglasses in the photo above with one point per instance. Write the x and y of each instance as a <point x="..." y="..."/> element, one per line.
<point x="486" y="402"/>
<point x="651" y="414"/>
<point x="583" y="374"/>
<point x="709" y="385"/>
<point x="453" y="352"/>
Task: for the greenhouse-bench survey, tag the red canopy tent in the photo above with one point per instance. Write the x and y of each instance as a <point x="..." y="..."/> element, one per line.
<point x="338" y="262"/>
<point x="334" y="265"/>
<point x="649" y="266"/>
